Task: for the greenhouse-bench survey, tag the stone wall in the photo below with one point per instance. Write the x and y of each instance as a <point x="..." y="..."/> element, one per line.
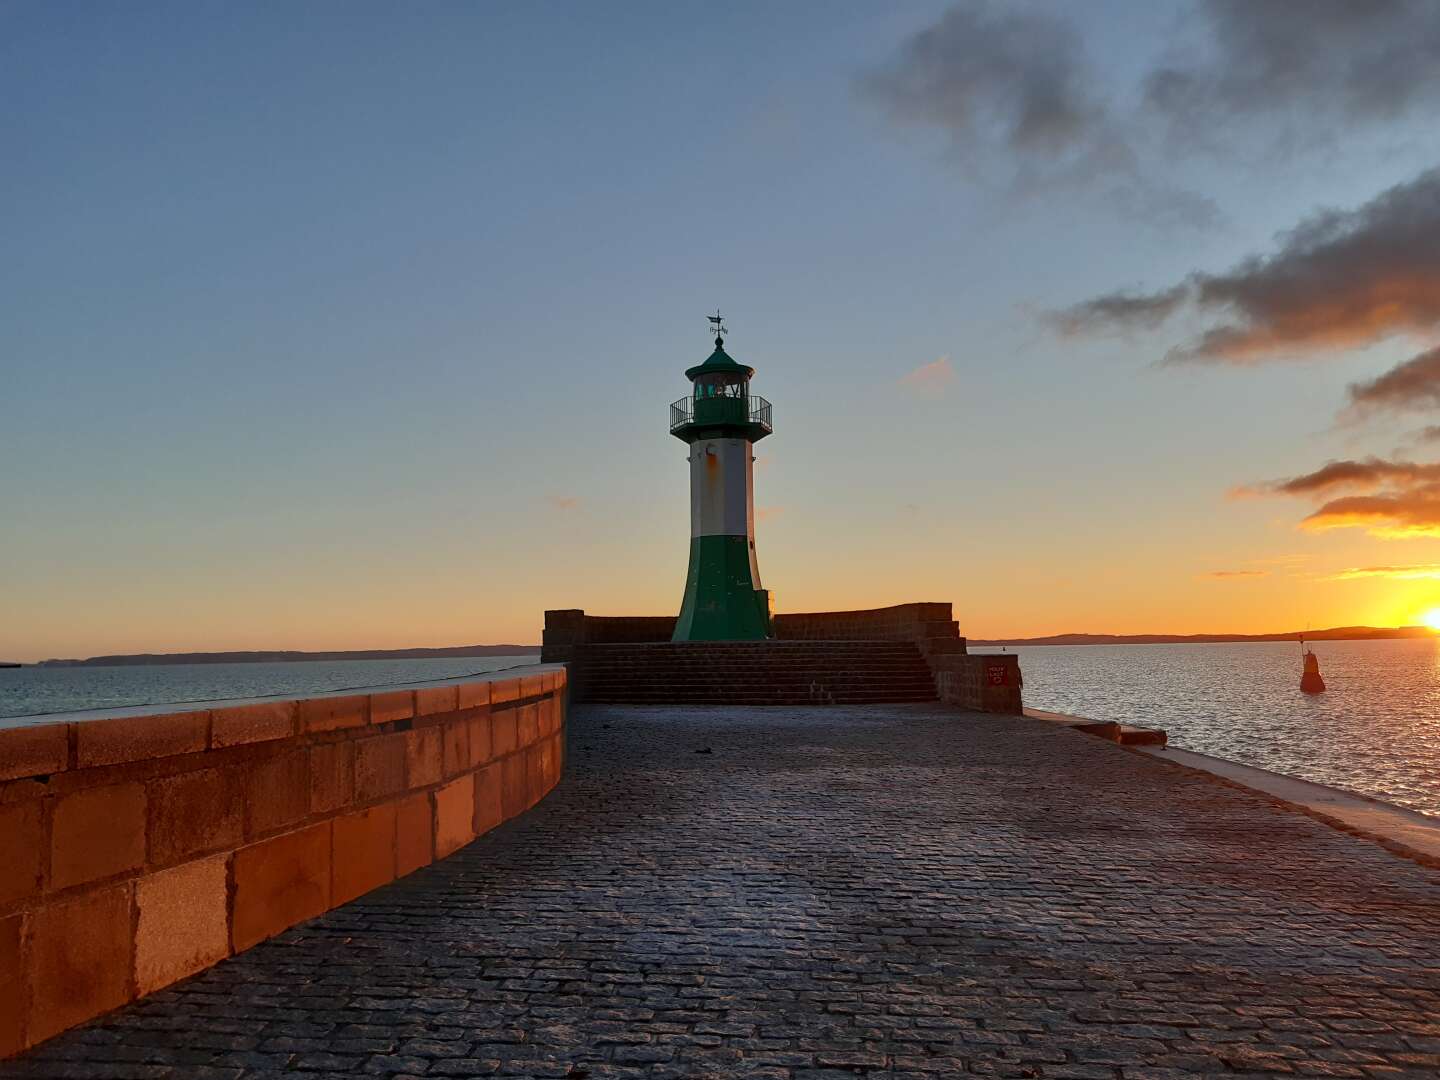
<point x="138" y="849"/>
<point x="988" y="683"/>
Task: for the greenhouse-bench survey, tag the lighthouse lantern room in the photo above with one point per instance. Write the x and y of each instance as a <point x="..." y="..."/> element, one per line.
<point x="721" y="421"/>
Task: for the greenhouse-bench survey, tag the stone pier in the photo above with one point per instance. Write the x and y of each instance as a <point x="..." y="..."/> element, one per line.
<point x="906" y="891"/>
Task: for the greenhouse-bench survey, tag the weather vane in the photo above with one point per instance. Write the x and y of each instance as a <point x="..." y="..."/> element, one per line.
<point x="717" y="323"/>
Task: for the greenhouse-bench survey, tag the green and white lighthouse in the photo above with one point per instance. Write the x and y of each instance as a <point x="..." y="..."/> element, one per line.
<point x="721" y="421"/>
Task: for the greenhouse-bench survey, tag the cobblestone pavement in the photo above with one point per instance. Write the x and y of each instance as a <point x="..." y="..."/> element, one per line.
<point x="899" y="891"/>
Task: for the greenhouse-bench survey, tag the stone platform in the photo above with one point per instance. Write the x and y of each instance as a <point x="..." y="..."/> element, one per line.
<point x="813" y="894"/>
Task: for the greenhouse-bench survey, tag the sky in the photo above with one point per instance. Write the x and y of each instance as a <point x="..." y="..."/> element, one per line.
<point x="354" y="325"/>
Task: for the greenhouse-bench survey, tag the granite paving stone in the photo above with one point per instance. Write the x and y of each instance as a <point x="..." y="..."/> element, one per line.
<point x="901" y="891"/>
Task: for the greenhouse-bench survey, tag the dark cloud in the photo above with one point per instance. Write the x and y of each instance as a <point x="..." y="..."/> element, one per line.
<point x="1415" y="384"/>
<point x="1017" y="96"/>
<point x="1367" y="474"/>
<point x="1311" y="65"/>
<point x="1120" y="310"/>
<point x="1391" y="498"/>
<point x="1338" y="280"/>
<point x="985" y="72"/>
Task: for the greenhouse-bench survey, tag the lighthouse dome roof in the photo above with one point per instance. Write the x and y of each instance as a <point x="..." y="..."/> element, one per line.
<point x="719" y="362"/>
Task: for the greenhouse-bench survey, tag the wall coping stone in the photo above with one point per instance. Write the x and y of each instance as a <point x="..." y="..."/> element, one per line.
<point x="30" y="746"/>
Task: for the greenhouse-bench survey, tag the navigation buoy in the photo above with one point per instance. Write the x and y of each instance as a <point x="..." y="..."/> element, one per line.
<point x="1310" y="680"/>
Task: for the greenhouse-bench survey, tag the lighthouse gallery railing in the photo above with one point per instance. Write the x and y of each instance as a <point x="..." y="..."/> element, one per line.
<point x="720" y="410"/>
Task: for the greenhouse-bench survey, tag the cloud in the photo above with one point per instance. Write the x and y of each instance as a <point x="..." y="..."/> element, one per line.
<point x="1119" y="311"/>
<point x="765" y="513"/>
<point x="1340" y="279"/>
<point x="1415" y="384"/>
<point x="1393" y="517"/>
<point x="1389" y="499"/>
<point x="995" y="75"/>
<point x="1233" y="575"/>
<point x="1016" y="96"/>
<point x="1368" y="474"/>
<point x="1311" y="67"/>
<point x="932" y="378"/>
<point x="563" y="502"/>
<point x="1413" y="572"/>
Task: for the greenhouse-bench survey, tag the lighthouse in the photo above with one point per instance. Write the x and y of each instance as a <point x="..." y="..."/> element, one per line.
<point x="721" y="421"/>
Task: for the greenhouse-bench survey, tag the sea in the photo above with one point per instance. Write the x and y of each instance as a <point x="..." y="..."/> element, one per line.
<point x="28" y="693"/>
<point x="1374" y="731"/>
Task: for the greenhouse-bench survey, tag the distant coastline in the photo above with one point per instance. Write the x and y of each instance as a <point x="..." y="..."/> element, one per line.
<point x="1335" y="633"/>
<point x="285" y="656"/>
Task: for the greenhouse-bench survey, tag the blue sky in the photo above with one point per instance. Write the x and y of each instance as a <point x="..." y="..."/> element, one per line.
<point x="354" y="325"/>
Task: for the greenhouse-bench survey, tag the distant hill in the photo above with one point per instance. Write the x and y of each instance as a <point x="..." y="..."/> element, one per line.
<point x="1335" y="633"/>
<point x="286" y="656"/>
<point x="7" y="663"/>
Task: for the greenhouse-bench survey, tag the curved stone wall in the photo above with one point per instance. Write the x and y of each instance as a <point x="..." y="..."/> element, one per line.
<point x="142" y="846"/>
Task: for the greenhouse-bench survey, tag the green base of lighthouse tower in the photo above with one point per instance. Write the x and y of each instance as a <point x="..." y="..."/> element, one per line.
<point x="721" y="421"/>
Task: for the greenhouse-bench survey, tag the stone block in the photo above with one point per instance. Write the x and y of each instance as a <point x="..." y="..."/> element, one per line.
<point x="277" y="793"/>
<point x="280" y="882"/>
<point x="504" y="732"/>
<point x="332" y="776"/>
<point x="333" y="713"/>
<point x="454" y="816"/>
<point x="457" y="746"/>
<point x="193" y="813"/>
<point x="12" y="987"/>
<point x="527" y="724"/>
<point x="22" y="850"/>
<point x="181" y="924"/>
<point x="391" y="706"/>
<point x="96" y="834"/>
<point x="414" y="834"/>
<point x="362" y="852"/>
<point x="503" y="690"/>
<point x="548" y="711"/>
<point x="481" y="747"/>
<point x="79" y="960"/>
<point x="139" y="738"/>
<point x="433" y="700"/>
<point x="34" y="751"/>
<point x="473" y="695"/>
<point x="488" y="809"/>
<point x="380" y="766"/>
<point x="241" y="724"/>
<point x="424" y="757"/>
<point x="512" y="785"/>
<point x="534" y="772"/>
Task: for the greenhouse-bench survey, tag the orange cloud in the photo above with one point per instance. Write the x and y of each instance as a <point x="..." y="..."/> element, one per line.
<point x="1232" y="575"/>
<point x="1391" y="499"/>
<point x="563" y="502"/>
<point x="765" y="513"/>
<point x="1339" y="279"/>
<point x="1413" y="572"/>
<point x="930" y="378"/>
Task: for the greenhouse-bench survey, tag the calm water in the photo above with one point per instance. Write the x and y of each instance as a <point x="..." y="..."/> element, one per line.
<point x="29" y="690"/>
<point x="1376" y="730"/>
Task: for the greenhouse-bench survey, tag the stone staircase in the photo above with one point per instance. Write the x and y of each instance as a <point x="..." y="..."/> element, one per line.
<point x="752" y="673"/>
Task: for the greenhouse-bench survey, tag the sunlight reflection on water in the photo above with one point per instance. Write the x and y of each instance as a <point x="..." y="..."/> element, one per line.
<point x="1376" y="730"/>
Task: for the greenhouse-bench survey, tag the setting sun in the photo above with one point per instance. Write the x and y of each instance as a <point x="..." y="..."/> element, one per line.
<point x="1431" y="618"/>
